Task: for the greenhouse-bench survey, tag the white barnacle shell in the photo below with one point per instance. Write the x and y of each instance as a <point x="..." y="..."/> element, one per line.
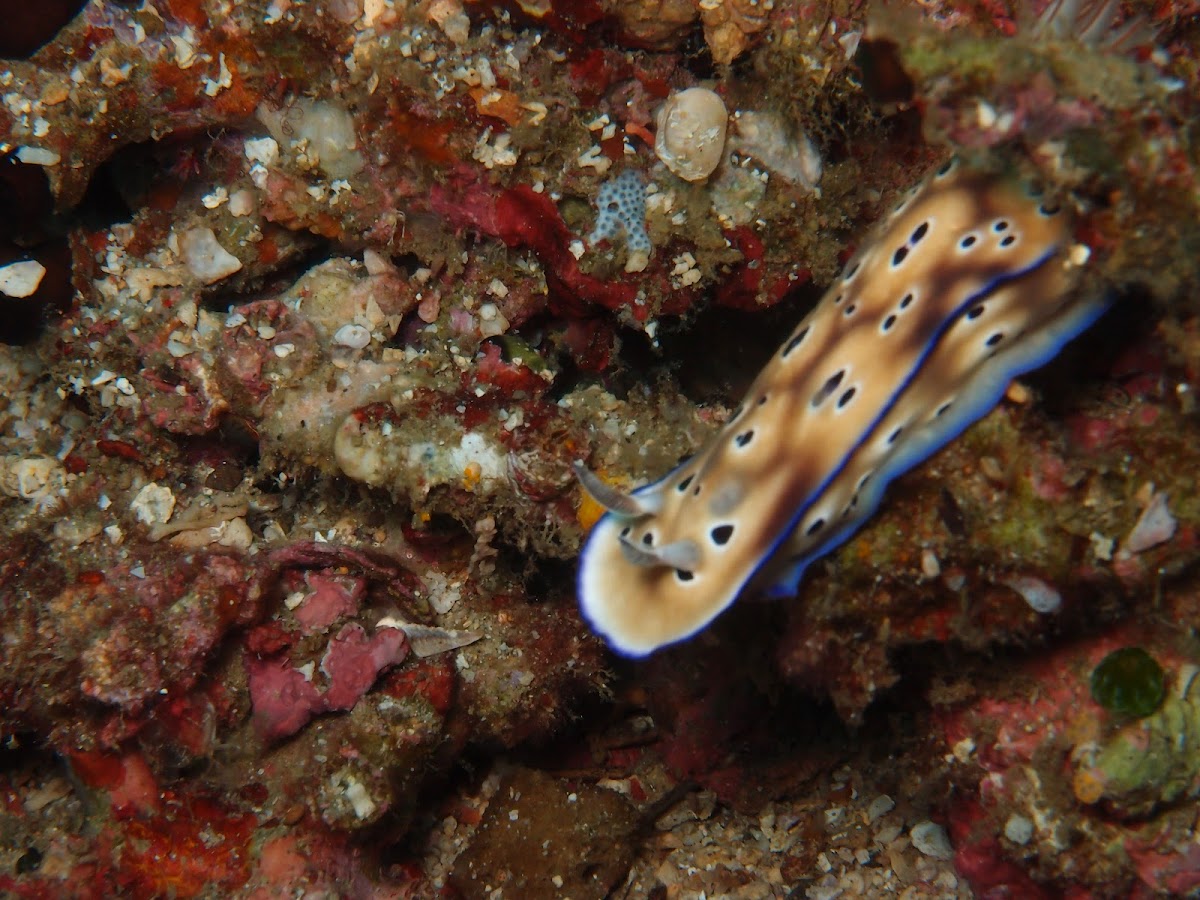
<point x="691" y="133"/>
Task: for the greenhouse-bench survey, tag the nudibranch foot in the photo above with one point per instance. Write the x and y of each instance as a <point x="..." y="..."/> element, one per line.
<point x="967" y="284"/>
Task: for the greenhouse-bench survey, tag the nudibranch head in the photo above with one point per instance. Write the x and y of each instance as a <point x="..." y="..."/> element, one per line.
<point x="965" y="285"/>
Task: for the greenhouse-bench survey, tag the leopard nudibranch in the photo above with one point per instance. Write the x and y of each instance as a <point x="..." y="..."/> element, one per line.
<point x="966" y="284"/>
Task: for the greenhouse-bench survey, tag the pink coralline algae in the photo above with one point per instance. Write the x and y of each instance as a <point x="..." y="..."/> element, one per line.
<point x="286" y="698"/>
<point x="1053" y="763"/>
<point x="329" y="598"/>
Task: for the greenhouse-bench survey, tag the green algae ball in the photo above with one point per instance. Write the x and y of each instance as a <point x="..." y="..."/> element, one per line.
<point x="1128" y="682"/>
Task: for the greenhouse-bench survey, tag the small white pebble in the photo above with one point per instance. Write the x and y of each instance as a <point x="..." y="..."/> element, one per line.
<point x="1018" y="829"/>
<point x="355" y="336"/>
<point x="205" y="257"/>
<point x="241" y="203"/>
<point x="261" y="150"/>
<point x="1040" y="596"/>
<point x="930" y="567"/>
<point x="154" y="504"/>
<point x="215" y="198"/>
<point x="356" y="793"/>
<point x="21" y="279"/>
<point x="880" y="806"/>
<point x="930" y="838"/>
<point x="37" y="156"/>
<point x="1156" y="525"/>
<point x="963" y="749"/>
<point x="284" y="350"/>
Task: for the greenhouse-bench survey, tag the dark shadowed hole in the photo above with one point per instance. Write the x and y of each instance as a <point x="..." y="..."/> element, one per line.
<point x="29" y="26"/>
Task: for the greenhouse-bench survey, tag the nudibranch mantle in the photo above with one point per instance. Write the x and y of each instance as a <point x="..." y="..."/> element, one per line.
<point x="965" y="285"/>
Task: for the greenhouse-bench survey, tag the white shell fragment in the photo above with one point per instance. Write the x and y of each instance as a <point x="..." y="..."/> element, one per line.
<point x="21" y="279"/>
<point x="764" y="136"/>
<point x="691" y="133"/>
<point x="930" y="838"/>
<point x="1041" y="597"/>
<point x="428" y="640"/>
<point x="354" y="336"/>
<point x="1154" y="526"/>
<point x="205" y="257"/>
<point x="37" y="156"/>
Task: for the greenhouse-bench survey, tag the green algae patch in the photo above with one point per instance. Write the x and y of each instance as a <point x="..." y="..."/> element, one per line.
<point x="1129" y="682"/>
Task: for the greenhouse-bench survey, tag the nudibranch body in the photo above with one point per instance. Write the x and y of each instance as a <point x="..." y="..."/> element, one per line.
<point x="964" y="286"/>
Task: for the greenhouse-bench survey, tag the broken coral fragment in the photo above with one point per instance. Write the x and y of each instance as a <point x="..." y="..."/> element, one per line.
<point x="729" y="26"/>
<point x="205" y="257"/>
<point x="322" y="129"/>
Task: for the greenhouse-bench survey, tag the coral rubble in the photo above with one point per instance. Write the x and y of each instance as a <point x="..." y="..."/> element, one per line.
<point x="308" y="312"/>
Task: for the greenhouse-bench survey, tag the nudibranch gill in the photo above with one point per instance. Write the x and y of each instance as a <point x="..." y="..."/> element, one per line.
<point x="965" y="285"/>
